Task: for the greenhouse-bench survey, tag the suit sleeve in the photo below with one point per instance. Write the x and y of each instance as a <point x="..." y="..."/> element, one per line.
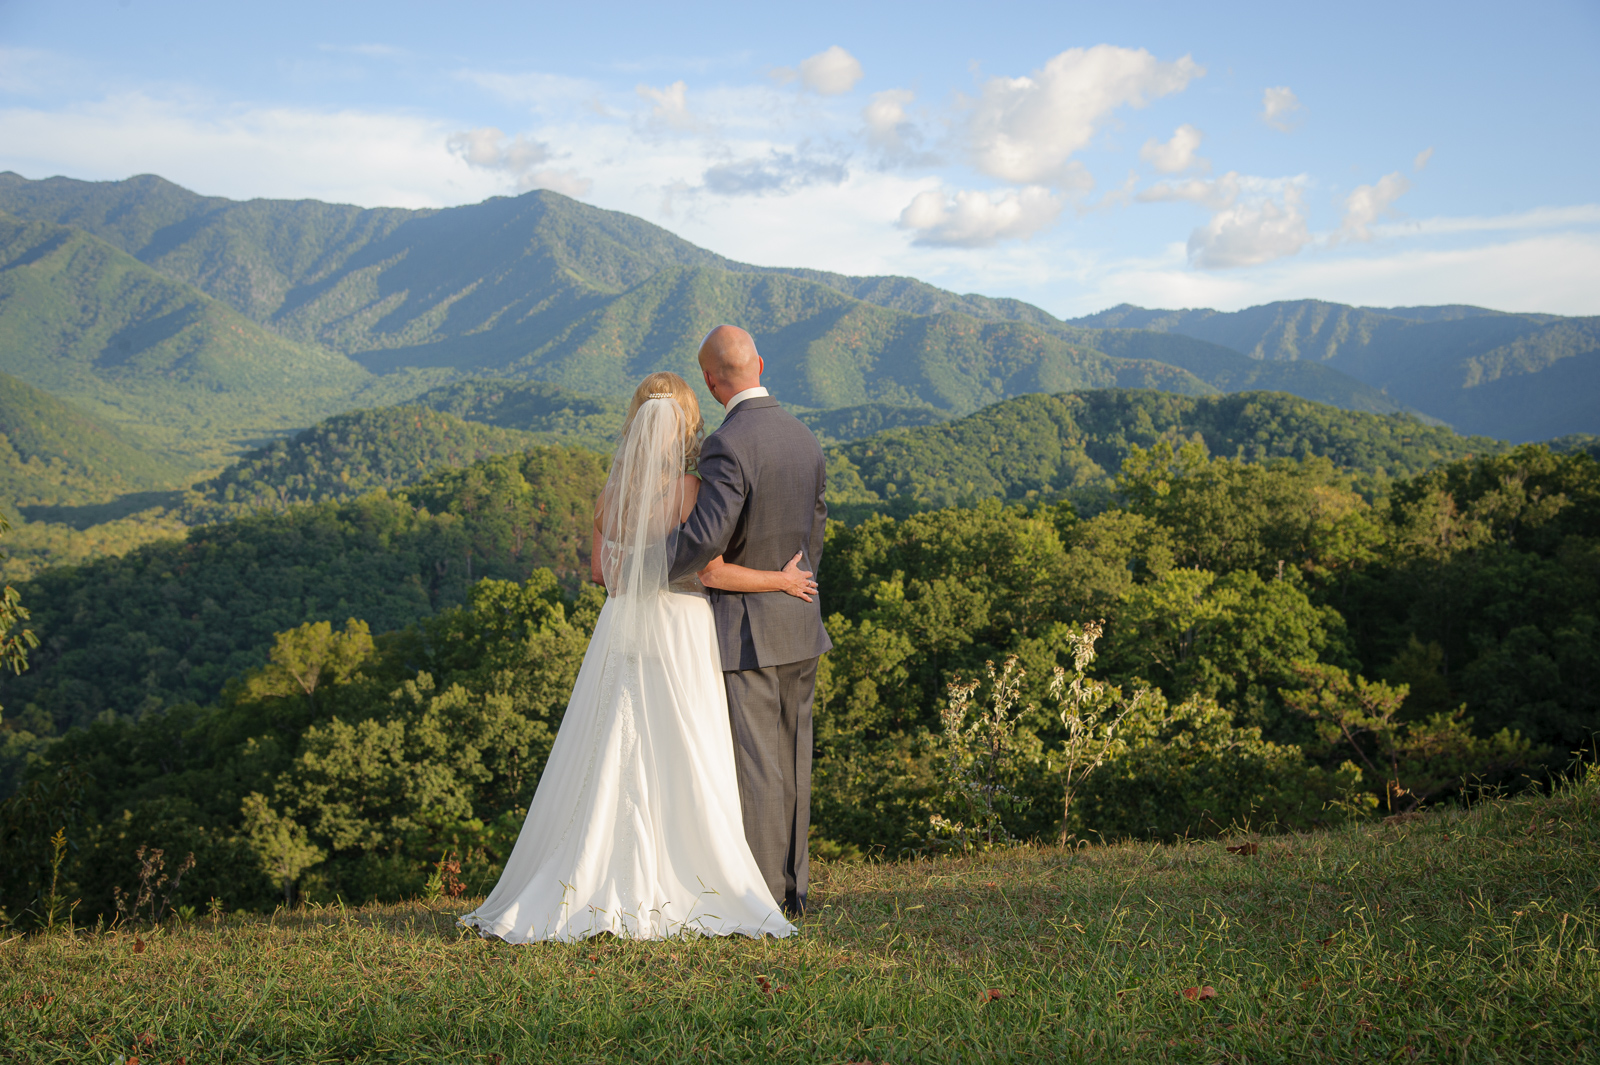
<point x="819" y="519"/>
<point x="723" y="489"/>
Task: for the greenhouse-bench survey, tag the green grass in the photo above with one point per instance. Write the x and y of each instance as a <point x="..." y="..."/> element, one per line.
<point x="1462" y="936"/>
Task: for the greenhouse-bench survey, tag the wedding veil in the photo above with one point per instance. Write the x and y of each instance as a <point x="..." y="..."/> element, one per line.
<point x="640" y="510"/>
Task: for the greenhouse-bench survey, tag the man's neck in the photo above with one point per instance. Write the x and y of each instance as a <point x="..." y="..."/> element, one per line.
<point x="739" y="397"/>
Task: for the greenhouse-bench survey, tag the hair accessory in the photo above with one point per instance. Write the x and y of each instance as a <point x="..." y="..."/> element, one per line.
<point x="661" y="395"/>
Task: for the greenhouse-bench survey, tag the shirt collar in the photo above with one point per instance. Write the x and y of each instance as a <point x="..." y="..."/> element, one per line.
<point x="739" y="397"/>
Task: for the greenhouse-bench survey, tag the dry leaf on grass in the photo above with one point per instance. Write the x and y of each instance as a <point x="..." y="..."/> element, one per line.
<point x="990" y="995"/>
<point x="138" y="945"/>
<point x="1244" y="850"/>
<point x="1199" y="994"/>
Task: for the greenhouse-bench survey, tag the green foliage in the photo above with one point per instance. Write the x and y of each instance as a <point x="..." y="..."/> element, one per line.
<point x="1235" y="639"/>
<point x="981" y="758"/>
<point x="1040" y="447"/>
<point x="1092" y="713"/>
<point x="1496" y="563"/>
<point x="1219" y="581"/>
<point x="280" y="844"/>
<point x="15" y="643"/>
<point x="34" y="843"/>
<point x="1419" y="760"/>
<point x="350" y="455"/>
<point x="1190" y="770"/>
<point x="172" y="621"/>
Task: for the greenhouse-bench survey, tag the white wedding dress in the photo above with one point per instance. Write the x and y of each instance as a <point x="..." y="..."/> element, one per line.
<point x="635" y="828"/>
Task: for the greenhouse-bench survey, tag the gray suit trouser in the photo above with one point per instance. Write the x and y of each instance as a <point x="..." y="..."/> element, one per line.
<point x="770" y="710"/>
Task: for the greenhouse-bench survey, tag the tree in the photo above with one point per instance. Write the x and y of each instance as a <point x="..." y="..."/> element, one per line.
<point x="1092" y="713"/>
<point x="311" y="656"/>
<point x="279" y="842"/>
<point x="1417" y="761"/>
<point x="14" y="645"/>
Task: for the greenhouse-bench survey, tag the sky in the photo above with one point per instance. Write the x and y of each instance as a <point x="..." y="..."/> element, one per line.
<point x="1075" y="156"/>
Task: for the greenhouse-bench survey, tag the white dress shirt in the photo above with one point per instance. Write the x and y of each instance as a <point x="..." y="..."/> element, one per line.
<point x="739" y="397"/>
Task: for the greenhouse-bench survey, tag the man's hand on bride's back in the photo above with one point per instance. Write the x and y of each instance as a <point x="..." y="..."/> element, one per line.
<point x="798" y="582"/>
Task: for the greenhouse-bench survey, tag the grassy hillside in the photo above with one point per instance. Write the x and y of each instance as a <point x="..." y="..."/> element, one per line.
<point x="1464" y="935"/>
<point x="1515" y="376"/>
<point x="1039" y="446"/>
<point x="94" y="326"/>
<point x="52" y="453"/>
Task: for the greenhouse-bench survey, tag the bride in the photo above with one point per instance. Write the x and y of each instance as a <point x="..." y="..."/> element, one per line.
<point x="635" y="828"/>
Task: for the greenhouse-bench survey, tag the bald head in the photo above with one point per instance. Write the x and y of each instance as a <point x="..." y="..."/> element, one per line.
<point x="729" y="360"/>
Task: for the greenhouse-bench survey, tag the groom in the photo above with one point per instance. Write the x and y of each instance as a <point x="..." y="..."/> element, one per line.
<point x="761" y="500"/>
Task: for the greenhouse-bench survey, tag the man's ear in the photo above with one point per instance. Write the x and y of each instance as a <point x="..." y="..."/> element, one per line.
<point x="761" y="366"/>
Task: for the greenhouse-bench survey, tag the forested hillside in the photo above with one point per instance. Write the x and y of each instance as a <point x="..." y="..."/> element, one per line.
<point x="350" y="455"/>
<point x="1516" y="376"/>
<point x="52" y="453"/>
<point x="1314" y="657"/>
<point x="1039" y="447"/>
<point x="90" y="324"/>
<point x="535" y="407"/>
<point x="171" y="621"/>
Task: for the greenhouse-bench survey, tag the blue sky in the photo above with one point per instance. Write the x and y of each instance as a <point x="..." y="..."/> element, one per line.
<point x="1076" y="156"/>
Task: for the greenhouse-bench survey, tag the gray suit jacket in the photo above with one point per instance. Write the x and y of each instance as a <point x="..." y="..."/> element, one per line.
<point x="761" y="500"/>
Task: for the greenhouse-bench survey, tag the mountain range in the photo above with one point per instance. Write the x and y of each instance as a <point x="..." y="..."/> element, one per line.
<point x="140" y="297"/>
<point x="1515" y="376"/>
<point x="188" y="329"/>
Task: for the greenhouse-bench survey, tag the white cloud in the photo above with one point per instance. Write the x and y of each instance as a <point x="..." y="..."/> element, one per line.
<point x="519" y="157"/>
<point x="1421" y="161"/>
<point x="779" y="172"/>
<point x="350" y="156"/>
<point x="670" y="105"/>
<point x="1177" y="154"/>
<point x="1024" y="129"/>
<point x="1555" y="274"/>
<point x="1366" y="203"/>
<point x="1117" y="197"/>
<point x="832" y="72"/>
<point x="1280" y="108"/>
<point x="1250" y="234"/>
<point x="1539" y="218"/>
<point x="886" y="115"/>
<point x="970" y="219"/>
<point x="1216" y="194"/>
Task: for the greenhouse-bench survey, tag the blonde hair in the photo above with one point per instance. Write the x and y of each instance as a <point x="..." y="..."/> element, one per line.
<point x="664" y="382"/>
